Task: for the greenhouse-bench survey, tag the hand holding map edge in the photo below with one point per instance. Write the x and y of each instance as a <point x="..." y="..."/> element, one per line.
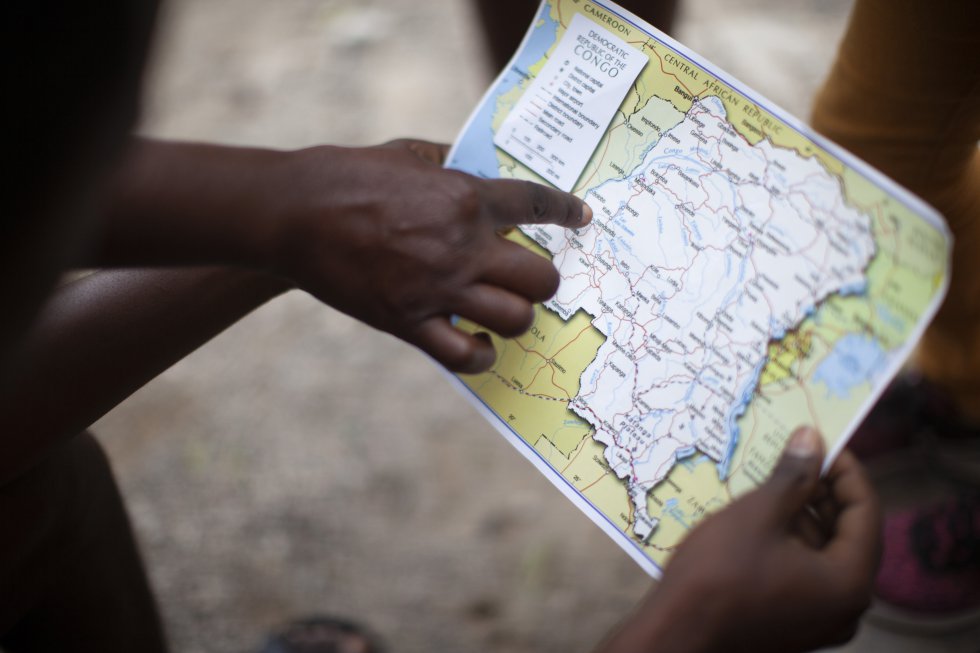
<point x="772" y="588"/>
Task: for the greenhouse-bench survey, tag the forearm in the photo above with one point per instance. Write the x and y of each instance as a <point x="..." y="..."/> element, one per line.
<point x="385" y="234"/>
<point x="190" y="204"/>
<point x="101" y="338"/>
<point x="659" y="627"/>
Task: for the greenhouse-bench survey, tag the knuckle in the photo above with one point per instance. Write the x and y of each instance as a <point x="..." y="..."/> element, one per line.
<point x="519" y="321"/>
<point x="551" y="279"/>
<point x="457" y="361"/>
<point x="541" y="278"/>
<point x="463" y="193"/>
<point x="457" y="237"/>
<point x="526" y="317"/>
<point x="456" y="356"/>
<point x="398" y="308"/>
<point x="539" y="201"/>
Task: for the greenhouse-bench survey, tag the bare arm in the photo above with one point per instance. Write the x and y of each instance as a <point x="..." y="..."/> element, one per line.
<point x="384" y="234"/>
<point x="101" y="338"/>
<point x="786" y="568"/>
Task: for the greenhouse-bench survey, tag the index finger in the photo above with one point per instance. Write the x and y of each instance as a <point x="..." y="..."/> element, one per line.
<point x="514" y="201"/>
<point x="857" y="534"/>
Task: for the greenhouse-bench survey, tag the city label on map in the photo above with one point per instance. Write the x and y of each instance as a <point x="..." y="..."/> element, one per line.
<point x="558" y="122"/>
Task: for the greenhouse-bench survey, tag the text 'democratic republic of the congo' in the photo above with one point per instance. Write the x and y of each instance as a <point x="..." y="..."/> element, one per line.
<point x="559" y="120"/>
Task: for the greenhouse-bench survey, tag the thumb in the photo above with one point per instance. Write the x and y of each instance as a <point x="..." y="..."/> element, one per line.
<point x="795" y="477"/>
<point x="431" y="152"/>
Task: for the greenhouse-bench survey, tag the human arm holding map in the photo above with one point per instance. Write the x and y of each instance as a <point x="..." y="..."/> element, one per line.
<point x="165" y="312"/>
<point x="756" y="524"/>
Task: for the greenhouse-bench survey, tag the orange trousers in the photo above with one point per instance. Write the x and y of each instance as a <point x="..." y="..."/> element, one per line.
<point x="904" y="95"/>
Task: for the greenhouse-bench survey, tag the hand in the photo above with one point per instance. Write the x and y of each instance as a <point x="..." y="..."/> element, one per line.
<point x="388" y="236"/>
<point x="788" y="567"/>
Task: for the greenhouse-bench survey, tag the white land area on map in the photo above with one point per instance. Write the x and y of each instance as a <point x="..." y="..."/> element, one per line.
<point x="558" y="122"/>
<point x="699" y="258"/>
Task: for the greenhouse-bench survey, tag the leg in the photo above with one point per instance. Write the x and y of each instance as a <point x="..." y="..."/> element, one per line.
<point x="505" y="21"/>
<point x="70" y="573"/>
<point x="904" y="94"/>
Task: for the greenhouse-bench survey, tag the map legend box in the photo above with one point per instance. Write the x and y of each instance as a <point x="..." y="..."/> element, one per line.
<point x="556" y="125"/>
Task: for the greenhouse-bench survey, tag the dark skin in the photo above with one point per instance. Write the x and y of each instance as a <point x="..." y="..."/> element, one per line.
<point x="388" y="236"/>
<point x="101" y="338"/>
<point x="788" y="567"/>
<point x="384" y="234"/>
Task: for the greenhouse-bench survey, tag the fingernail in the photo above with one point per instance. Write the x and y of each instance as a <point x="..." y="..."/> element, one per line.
<point x="804" y="443"/>
<point x="586" y="215"/>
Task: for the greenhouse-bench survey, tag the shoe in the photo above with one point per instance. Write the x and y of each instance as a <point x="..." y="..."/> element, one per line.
<point x="924" y="460"/>
<point x="322" y="635"/>
<point x="929" y="577"/>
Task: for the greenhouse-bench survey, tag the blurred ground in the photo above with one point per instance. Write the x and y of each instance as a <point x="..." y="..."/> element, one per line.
<point x="301" y="463"/>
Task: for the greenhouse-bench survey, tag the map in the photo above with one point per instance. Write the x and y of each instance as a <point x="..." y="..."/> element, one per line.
<point x="742" y="276"/>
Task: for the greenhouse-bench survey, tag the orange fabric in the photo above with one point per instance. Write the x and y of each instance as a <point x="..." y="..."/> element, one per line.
<point x="904" y="95"/>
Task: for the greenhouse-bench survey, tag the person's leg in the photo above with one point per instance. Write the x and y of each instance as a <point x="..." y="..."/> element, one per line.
<point x="904" y="94"/>
<point x="71" y="578"/>
<point x="505" y="21"/>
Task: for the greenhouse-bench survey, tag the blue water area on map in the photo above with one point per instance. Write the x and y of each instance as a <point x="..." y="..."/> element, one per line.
<point x="886" y="315"/>
<point x="857" y="288"/>
<point x="855" y="360"/>
<point x="476" y="152"/>
<point x="685" y="453"/>
<point x="677" y="515"/>
<point x="672" y="509"/>
<point x="735" y="433"/>
<point x="692" y="462"/>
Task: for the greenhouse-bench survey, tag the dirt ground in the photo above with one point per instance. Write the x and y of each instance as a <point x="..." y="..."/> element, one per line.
<point x="302" y="463"/>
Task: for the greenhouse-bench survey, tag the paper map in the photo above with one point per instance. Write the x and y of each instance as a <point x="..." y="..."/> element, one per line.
<point x="742" y="276"/>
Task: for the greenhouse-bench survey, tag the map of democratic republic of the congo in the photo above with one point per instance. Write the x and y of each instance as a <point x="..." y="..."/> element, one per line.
<point x="741" y="277"/>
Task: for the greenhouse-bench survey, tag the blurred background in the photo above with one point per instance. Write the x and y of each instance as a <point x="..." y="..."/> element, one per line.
<point x="301" y="463"/>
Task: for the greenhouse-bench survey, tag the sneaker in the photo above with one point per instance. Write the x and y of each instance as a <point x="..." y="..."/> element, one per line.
<point x="924" y="460"/>
<point x="322" y="635"/>
<point x="929" y="577"/>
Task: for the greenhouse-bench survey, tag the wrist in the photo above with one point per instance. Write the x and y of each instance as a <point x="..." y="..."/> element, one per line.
<point x="192" y="204"/>
<point x="249" y="208"/>
<point x="296" y="209"/>
<point x="667" y="622"/>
